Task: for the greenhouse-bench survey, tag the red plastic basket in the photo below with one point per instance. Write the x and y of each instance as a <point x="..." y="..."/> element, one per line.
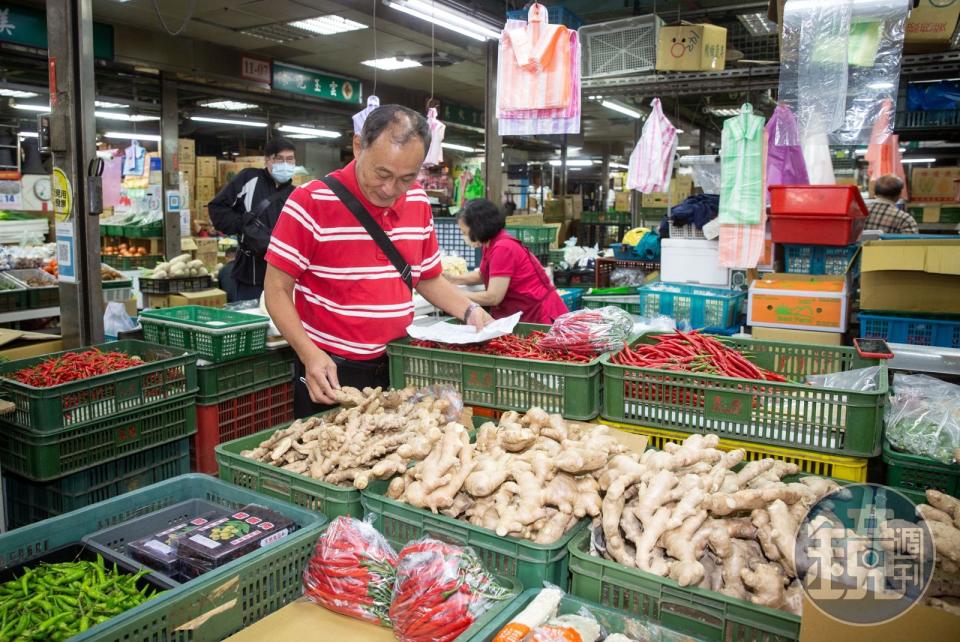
<point x="238" y="417"/>
<point x="816" y="214"/>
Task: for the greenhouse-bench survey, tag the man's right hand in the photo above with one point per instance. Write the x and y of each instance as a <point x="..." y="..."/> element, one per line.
<point x="321" y="376"/>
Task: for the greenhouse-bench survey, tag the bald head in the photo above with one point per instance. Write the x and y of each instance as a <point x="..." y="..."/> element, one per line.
<point x="400" y="124"/>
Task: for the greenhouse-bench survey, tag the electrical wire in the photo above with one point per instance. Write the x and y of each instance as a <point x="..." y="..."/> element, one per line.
<point x="186" y="21"/>
<point x="376" y="55"/>
<point x="433" y="52"/>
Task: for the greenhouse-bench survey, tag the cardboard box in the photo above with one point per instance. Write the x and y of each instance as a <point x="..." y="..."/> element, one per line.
<point x="18" y="344"/>
<point x="576" y="206"/>
<point x="681" y="188"/>
<point x="937" y="626"/>
<point x="186" y="151"/>
<point x="206" y="166"/>
<point x="934" y="184"/>
<point x="931" y="212"/>
<point x="797" y="336"/>
<point x="911" y="276"/>
<point x="621" y="202"/>
<point x="691" y="48"/>
<point x="554" y="210"/>
<point x="212" y="298"/>
<point x="931" y="25"/>
<point x="156" y="301"/>
<point x="205" y="191"/>
<point x="799" y="302"/>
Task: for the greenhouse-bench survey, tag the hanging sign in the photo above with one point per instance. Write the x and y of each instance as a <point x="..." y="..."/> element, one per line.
<point x="454" y="114"/>
<point x="66" y="252"/>
<point x="255" y="69"/>
<point x="62" y="195"/>
<point x="307" y="82"/>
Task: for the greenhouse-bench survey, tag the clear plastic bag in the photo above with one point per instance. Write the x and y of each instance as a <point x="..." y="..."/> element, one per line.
<point x="352" y="571"/>
<point x="627" y="276"/>
<point x="589" y="332"/>
<point x="923" y="417"/>
<point x="116" y="320"/>
<point x="440" y="590"/>
<point x="859" y="380"/>
<point x="454" y="409"/>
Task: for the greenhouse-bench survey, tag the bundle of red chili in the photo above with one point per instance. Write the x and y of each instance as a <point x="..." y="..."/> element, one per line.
<point x="352" y="571"/>
<point x="589" y="332"/>
<point x="693" y="352"/>
<point x="72" y="366"/>
<point x="440" y="591"/>
<point x="511" y="345"/>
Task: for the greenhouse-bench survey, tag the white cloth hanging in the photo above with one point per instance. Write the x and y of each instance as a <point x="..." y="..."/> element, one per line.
<point x="651" y="163"/>
<point x="435" y="153"/>
<point x="361" y="116"/>
<point x="816" y="156"/>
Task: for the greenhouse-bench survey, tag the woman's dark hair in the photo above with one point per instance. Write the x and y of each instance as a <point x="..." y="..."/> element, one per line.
<point x="483" y="219"/>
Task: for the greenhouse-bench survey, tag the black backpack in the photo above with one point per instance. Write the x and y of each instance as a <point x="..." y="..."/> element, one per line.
<point x="257" y="226"/>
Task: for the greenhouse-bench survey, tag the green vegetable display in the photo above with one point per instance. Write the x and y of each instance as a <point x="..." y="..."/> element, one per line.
<point x="923" y="417"/>
<point x="57" y="601"/>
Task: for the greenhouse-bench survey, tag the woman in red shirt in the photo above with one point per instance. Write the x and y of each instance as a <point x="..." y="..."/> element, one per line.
<point x="514" y="279"/>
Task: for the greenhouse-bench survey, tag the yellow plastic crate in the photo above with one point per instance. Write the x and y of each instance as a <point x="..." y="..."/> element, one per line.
<point x="847" y="468"/>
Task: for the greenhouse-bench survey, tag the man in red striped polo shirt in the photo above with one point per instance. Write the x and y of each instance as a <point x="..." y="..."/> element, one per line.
<point x="331" y="290"/>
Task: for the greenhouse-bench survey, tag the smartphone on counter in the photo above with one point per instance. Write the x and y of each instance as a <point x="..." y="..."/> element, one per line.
<point x="873" y="348"/>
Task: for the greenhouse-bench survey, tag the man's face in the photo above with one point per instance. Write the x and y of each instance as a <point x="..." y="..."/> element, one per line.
<point x="286" y="156"/>
<point x="385" y="170"/>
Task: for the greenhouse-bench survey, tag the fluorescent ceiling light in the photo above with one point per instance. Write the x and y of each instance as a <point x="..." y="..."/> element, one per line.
<point x="863" y="152"/>
<point x="918" y="160"/>
<point x="578" y="162"/>
<point x="575" y="169"/>
<point x="680" y="131"/>
<point x="228" y="121"/>
<point x="619" y="166"/>
<point x="880" y="85"/>
<point x="446" y="18"/>
<point x="391" y="64"/>
<point x="300" y="137"/>
<point x="459" y="148"/>
<point x="109" y="105"/>
<point x="43" y="109"/>
<point x="130" y="118"/>
<point x="229" y="105"/>
<point x="17" y="93"/>
<point x="132" y="136"/>
<point x="308" y="131"/>
<point x="683" y="148"/>
<point x="327" y="25"/>
<point x="623" y="109"/>
<point x="28" y="135"/>
<point x="757" y="24"/>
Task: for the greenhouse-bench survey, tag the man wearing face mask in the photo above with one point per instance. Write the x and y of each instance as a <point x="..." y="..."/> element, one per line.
<point x="249" y="207"/>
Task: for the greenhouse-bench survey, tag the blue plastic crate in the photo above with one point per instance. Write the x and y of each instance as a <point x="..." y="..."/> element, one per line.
<point x="700" y="306"/>
<point x="942" y="333"/>
<point x="572" y="298"/>
<point x="819" y="259"/>
<point x="557" y="15"/>
<point x="451" y="242"/>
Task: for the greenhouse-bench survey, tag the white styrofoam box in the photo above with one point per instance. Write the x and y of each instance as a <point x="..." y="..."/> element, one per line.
<point x="692" y="261"/>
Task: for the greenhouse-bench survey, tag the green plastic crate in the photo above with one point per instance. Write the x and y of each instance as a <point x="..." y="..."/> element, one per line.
<point x="533" y="234"/>
<point x="217" y="380"/>
<point x="793" y="414"/>
<point x="629" y="303"/>
<point x="612" y="218"/>
<point x="37" y="296"/>
<point x="555" y="257"/>
<point x="13" y="296"/>
<point x="29" y="501"/>
<point x="532" y="564"/>
<point x="706" y="614"/>
<point x="571" y="389"/>
<point x="43" y="457"/>
<point x="111" y="230"/>
<point x="611" y="620"/>
<point x="208" y="608"/>
<point x="167" y="374"/>
<point x="215" y="335"/>
<point x="133" y="262"/>
<point x="153" y="230"/>
<point x="913" y="474"/>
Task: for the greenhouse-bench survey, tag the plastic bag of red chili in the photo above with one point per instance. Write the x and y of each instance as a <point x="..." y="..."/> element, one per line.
<point x="440" y="591"/>
<point x="589" y="332"/>
<point x="352" y="571"/>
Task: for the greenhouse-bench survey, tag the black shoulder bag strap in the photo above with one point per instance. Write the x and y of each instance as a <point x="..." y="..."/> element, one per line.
<point x="375" y="231"/>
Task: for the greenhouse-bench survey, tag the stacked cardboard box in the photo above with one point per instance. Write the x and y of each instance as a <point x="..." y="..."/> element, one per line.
<point x="187" y="165"/>
<point x="680" y="188"/>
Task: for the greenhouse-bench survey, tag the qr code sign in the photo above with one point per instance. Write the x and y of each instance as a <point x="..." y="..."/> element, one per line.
<point x="63" y="253"/>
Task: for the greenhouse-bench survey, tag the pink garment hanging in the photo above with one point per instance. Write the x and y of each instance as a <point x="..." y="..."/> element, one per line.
<point x="741" y="246"/>
<point x="883" y="154"/>
<point x="533" y="66"/>
<point x="651" y="163"/>
<point x="547" y="121"/>
<point x="435" y="153"/>
<point x="360" y="117"/>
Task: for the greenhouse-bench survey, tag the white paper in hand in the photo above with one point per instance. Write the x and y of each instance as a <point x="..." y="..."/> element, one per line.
<point x="457" y="334"/>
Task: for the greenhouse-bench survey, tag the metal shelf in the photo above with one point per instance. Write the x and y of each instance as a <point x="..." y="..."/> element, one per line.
<point x="26" y="315"/>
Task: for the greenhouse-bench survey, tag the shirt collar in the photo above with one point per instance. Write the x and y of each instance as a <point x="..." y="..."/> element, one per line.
<point x="348" y="177"/>
<point x="745" y="125"/>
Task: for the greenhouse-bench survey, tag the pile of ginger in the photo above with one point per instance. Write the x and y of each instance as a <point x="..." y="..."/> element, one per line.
<point x="532" y="476"/>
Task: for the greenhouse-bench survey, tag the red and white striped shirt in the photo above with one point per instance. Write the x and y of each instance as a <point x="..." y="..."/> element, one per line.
<point x="350" y="298"/>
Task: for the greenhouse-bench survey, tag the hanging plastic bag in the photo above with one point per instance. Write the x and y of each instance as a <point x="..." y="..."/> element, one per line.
<point x="440" y="590"/>
<point x="785" y="163"/>
<point x="116" y="320"/>
<point x="923" y="417"/>
<point x="352" y="571"/>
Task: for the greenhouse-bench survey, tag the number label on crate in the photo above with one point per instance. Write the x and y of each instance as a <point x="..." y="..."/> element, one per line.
<point x="479" y="379"/>
<point x="728" y="406"/>
<point x="127" y="434"/>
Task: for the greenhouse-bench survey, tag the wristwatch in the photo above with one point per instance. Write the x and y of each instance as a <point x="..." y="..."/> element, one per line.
<point x="469" y="311"/>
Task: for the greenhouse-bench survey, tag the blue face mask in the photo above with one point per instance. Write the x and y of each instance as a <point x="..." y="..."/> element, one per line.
<point x="282" y="172"/>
